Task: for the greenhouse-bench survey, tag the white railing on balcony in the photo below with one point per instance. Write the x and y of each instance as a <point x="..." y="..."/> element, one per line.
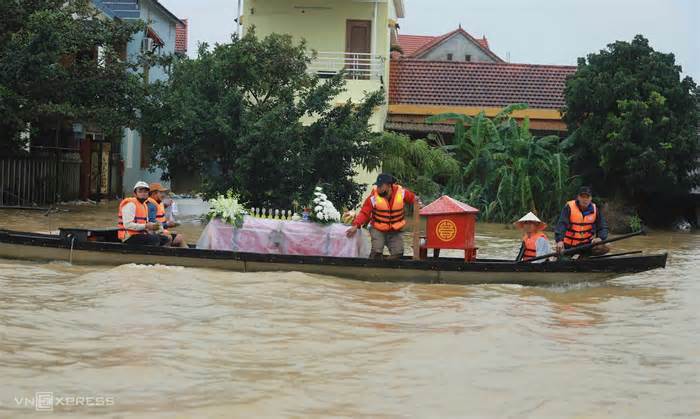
<point x="357" y="66"/>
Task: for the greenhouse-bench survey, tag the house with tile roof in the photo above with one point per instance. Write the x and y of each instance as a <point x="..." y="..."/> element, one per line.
<point x="161" y="37"/>
<point x="457" y="45"/>
<point x="453" y="72"/>
<point x="422" y="88"/>
<point x="457" y="72"/>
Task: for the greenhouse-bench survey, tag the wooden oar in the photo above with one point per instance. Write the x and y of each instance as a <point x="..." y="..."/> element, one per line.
<point x="416" y="230"/>
<point x="583" y="247"/>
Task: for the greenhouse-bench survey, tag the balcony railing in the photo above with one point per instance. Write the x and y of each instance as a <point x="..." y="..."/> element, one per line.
<point x="357" y="66"/>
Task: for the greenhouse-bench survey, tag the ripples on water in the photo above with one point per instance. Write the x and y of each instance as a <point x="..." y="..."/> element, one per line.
<point x="167" y="341"/>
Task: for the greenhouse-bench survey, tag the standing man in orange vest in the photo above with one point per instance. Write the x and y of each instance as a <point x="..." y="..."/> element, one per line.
<point x="156" y="214"/>
<point x="134" y="228"/>
<point x="384" y="211"/>
<point x="581" y="222"/>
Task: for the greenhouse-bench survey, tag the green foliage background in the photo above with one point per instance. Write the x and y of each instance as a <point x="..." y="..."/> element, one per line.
<point x="247" y="116"/>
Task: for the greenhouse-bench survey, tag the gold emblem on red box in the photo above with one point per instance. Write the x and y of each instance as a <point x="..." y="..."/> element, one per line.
<point x="446" y="230"/>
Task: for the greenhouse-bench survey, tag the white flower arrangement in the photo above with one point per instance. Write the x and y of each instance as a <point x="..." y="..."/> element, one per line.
<point x="323" y="210"/>
<point x="227" y="208"/>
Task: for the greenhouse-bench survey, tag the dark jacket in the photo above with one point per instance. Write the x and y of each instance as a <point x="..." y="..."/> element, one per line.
<point x="600" y="229"/>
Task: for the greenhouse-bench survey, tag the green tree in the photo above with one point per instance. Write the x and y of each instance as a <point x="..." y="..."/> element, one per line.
<point x="633" y="122"/>
<point x="50" y="71"/>
<point x="417" y="165"/>
<point x="247" y="116"/>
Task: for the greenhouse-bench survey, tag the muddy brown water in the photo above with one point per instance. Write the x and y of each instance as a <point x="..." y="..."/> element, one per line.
<point x="157" y="341"/>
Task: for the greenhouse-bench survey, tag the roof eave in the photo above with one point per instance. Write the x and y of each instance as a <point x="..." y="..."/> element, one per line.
<point x="168" y="12"/>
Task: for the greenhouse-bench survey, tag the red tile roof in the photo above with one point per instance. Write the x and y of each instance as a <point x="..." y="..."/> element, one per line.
<point x="151" y="33"/>
<point x="181" y="37"/>
<point x="458" y="83"/>
<point x="413" y="44"/>
<point x="447" y="205"/>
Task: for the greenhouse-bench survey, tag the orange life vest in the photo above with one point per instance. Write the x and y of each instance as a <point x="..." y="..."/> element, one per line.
<point x="530" y="243"/>
<point x="580" y="227"/>
<point x="160" y="213"/>
<point x="386" y="217"/>
<point x="140" y="217"/>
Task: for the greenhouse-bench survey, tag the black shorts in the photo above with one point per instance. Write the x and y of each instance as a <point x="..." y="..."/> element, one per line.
<point x="143" y="240"/>
<point x="164" y="239"/>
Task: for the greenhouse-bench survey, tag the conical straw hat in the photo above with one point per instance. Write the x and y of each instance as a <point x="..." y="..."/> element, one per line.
<point x="530" y="217"/>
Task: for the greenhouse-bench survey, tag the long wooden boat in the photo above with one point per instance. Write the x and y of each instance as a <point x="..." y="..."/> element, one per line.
<point x="87" y="247"/>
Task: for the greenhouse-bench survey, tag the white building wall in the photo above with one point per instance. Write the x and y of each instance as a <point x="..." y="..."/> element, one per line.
<point x="459" y="46"/>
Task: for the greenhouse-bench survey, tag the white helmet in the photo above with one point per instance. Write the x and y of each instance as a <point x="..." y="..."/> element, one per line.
<point x="141" y="184"/>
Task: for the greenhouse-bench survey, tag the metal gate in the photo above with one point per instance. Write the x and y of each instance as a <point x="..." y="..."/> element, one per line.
<point x="30" y="182"/>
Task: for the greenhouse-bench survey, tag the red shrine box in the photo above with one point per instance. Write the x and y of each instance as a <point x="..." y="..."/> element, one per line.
<point x="450" y="225"/>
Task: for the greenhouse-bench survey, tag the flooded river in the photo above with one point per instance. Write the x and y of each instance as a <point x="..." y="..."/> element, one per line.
<point x="155" y="341"/>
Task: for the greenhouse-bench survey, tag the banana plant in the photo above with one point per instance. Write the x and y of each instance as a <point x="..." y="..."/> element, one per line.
<point x="506" y="171"/>
<point x="418" y="165"/>
<point x="470" y="146"/>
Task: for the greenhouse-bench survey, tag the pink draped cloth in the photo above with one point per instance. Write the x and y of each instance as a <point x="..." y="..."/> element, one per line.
<point x="259" y="235"/>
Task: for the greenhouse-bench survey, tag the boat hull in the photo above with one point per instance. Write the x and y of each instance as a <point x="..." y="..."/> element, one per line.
<point x="444" y="270"/>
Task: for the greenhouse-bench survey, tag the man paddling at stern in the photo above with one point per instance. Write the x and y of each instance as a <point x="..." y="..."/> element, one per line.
<point x="580" y="223"/>
<point x="134" y="228"/>
<point x="384" y="210"/>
